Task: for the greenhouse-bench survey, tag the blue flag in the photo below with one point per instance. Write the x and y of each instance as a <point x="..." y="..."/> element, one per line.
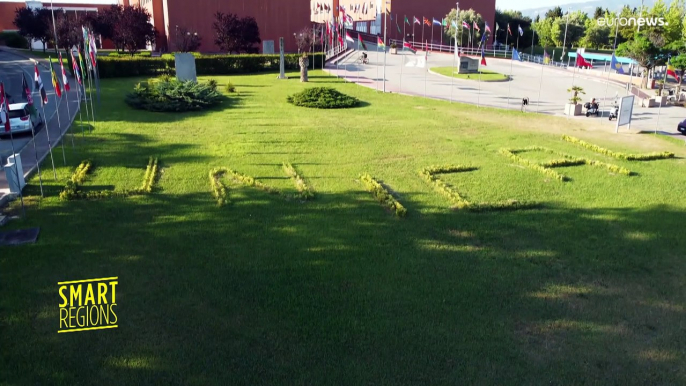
<point x="515" y="55"/>
<point x="616" y="65"/>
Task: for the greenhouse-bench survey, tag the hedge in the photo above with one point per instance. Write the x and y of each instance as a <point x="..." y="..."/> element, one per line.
<point x="615" y="154"/>
<point x="120" y="67"/>
<point x="12" y="39"/>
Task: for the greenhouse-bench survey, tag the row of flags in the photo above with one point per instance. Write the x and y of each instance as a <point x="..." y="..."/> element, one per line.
<point x="361" y="8"/>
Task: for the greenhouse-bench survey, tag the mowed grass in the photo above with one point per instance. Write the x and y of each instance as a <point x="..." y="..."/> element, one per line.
<point x="483" y="75"/>
<point x="587" y="289"/>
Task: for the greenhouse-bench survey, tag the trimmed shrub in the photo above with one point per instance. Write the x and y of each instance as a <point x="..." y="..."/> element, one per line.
<point x="230" y="88"/>
<point x="212" y="83"/>
<point x="72" y="189"/>
<point x="12" y="39"/>
<point x="120" y="66"/>
<point x="382" y="195"/>
<point x="567" y="160"/>
<point x="164" y="95"/>
<point x="304" y="191"/>
<point x="322" y="98"/>
<point x="429" y="174"/>
<point x="219" y="190"/>
<point x="628" y="157"/>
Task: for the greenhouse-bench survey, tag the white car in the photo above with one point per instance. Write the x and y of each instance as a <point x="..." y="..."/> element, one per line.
<point x="21" y="119"/>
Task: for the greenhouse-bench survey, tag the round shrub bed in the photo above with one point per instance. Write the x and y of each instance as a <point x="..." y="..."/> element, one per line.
<point x="322" y="98"/>
<point x="169" y="94"/>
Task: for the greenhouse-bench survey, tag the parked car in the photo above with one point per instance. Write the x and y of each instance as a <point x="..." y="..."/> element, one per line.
<point x="21" y="119"/>
<point x="682" y="127"/>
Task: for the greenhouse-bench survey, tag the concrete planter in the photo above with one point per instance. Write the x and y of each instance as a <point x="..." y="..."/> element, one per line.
<point x="655" y="101"/>
<point x="572" y="109"/>
<point x="394" y="51"/>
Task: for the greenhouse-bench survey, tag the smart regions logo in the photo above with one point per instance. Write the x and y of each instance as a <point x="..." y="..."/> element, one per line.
<point x="88" y="304"/>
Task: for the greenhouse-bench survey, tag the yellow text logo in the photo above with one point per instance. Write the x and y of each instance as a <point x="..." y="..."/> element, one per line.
<point x="88" y="304"/>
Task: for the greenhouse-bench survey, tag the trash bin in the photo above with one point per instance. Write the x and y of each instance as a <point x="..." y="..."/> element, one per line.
<point x="15" y="174"/>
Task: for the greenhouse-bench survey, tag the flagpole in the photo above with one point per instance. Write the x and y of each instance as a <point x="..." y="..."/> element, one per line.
<point x="423" y="31"/>
<point x="66" y="95"/>
<point x="57" y="109"/>
<point x="607" y="84"/>
<point x="376" y="81"/>
<point x="540" y="86"/>
<point x="402" y="64"/>
<point x="455" y="54"/>
<point x="426" y="67"/>
<point x="509" y="89"/>
<point x="385" y="29"/>
<point x="432" y="32"/>
<point x="507" y="34"/>
<point x="574" y="78"/>
<point x="413" y="23"/>
<point x="47" y="132"/>
<point x="404" y="27"/>
<point x="6" y="106"/>
<point x="478" y="96"/>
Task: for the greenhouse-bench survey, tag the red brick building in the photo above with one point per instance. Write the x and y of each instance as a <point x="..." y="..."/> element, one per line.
<point x="7" y="12"/>
<point x="281" y="18"/>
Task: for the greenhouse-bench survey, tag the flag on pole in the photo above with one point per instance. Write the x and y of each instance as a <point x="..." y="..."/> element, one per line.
<point x="581" y="62"/>
<point x="452" y="23"/>
<point x="379" y="42"/>
<point x="476" y="27"/>
<point x="77" y="70"/>
<point x="497" y="27"/>
<point x="509" y="32"/>
<point x="348" y="37"/>
<point x="546" y="57"/>
<point x="465" y="25"/>
<point x="521" y="31"/>
<point x="25" y="91"/>
<point x="4" y="110"/>
<point x="487" y="28"/>
<point x="55" y="81"/>
<point x="515" y="55"/>
<point x="426" y="21"/>
<point x="416" y="21"/>
<point x="618" y="66"/>
<point x="444" y="22"/>
<point x="671" y="71"/>
<point x="398" y="26"/>
<point x="360" y="42"/>
<point x="39" y="85"/>
<point x="65" y="81"/>
<point x="407" y="21"/>
<point x="483" y="56"/>
<point x="409" y="47"/>
<point x="436" y="22"/>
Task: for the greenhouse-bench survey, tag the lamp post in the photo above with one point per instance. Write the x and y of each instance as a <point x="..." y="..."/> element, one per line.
<point x="564" y="42"/>
<point x="533" y="35"/>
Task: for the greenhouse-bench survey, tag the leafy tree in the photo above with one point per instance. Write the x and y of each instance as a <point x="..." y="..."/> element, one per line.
<point x="249" y="34"/>
<point x="68" y="26"/>
<point x="103" y="23"/>
<point x="185" y="40"/>
<point x="134" y="30"/>
<point x="463" y="35"/>
<point x="26" y="23"/>
<point x="596" y="36"/>
<point x="643" y="51"/>
<point x="543" y="30"/>
<point x="574" y="23"/>
<point x="514" y="19"/>
<point x="598" y="13"/>
<point x="627" y="31"/>
<point x="679" y="62"/>
<point x="554" y="13"/>
<point x="233" y="34"/>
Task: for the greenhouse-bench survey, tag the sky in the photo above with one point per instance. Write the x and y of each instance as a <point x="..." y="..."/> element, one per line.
<point x="525" y="4"/>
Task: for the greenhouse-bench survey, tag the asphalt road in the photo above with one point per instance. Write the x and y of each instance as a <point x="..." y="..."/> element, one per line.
<point x="544" y="86"/>
<point x="11" y="68"/>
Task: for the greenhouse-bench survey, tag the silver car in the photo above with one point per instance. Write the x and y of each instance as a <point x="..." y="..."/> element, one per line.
<point x="21" y="119"/>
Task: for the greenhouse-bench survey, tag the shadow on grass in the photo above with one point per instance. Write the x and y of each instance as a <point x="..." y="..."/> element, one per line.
<point x="338" y="288"/>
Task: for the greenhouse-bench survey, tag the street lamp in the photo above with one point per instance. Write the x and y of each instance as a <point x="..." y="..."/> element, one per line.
<point x="533" y="35"/>
<point x="564" y="43"/>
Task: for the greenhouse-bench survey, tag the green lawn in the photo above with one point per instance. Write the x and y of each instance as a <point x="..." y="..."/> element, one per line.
<point x="486" y="76"/>
<point x="586" y="289"/>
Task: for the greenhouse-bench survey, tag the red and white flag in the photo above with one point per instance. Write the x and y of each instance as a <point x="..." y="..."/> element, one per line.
<point x="4" y="109"/>
<point x="65" y="81"/>
<point x="39" y="85"/>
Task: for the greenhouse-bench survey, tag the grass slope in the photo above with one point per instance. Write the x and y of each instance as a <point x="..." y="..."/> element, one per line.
<point x="268" y="289"/>
<point x="486" y="76"/>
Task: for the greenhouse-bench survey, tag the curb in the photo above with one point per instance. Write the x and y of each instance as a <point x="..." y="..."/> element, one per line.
<point x="488" y="81"/>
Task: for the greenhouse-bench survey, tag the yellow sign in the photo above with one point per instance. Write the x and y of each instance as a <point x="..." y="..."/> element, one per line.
<point x="88" y="304"/>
